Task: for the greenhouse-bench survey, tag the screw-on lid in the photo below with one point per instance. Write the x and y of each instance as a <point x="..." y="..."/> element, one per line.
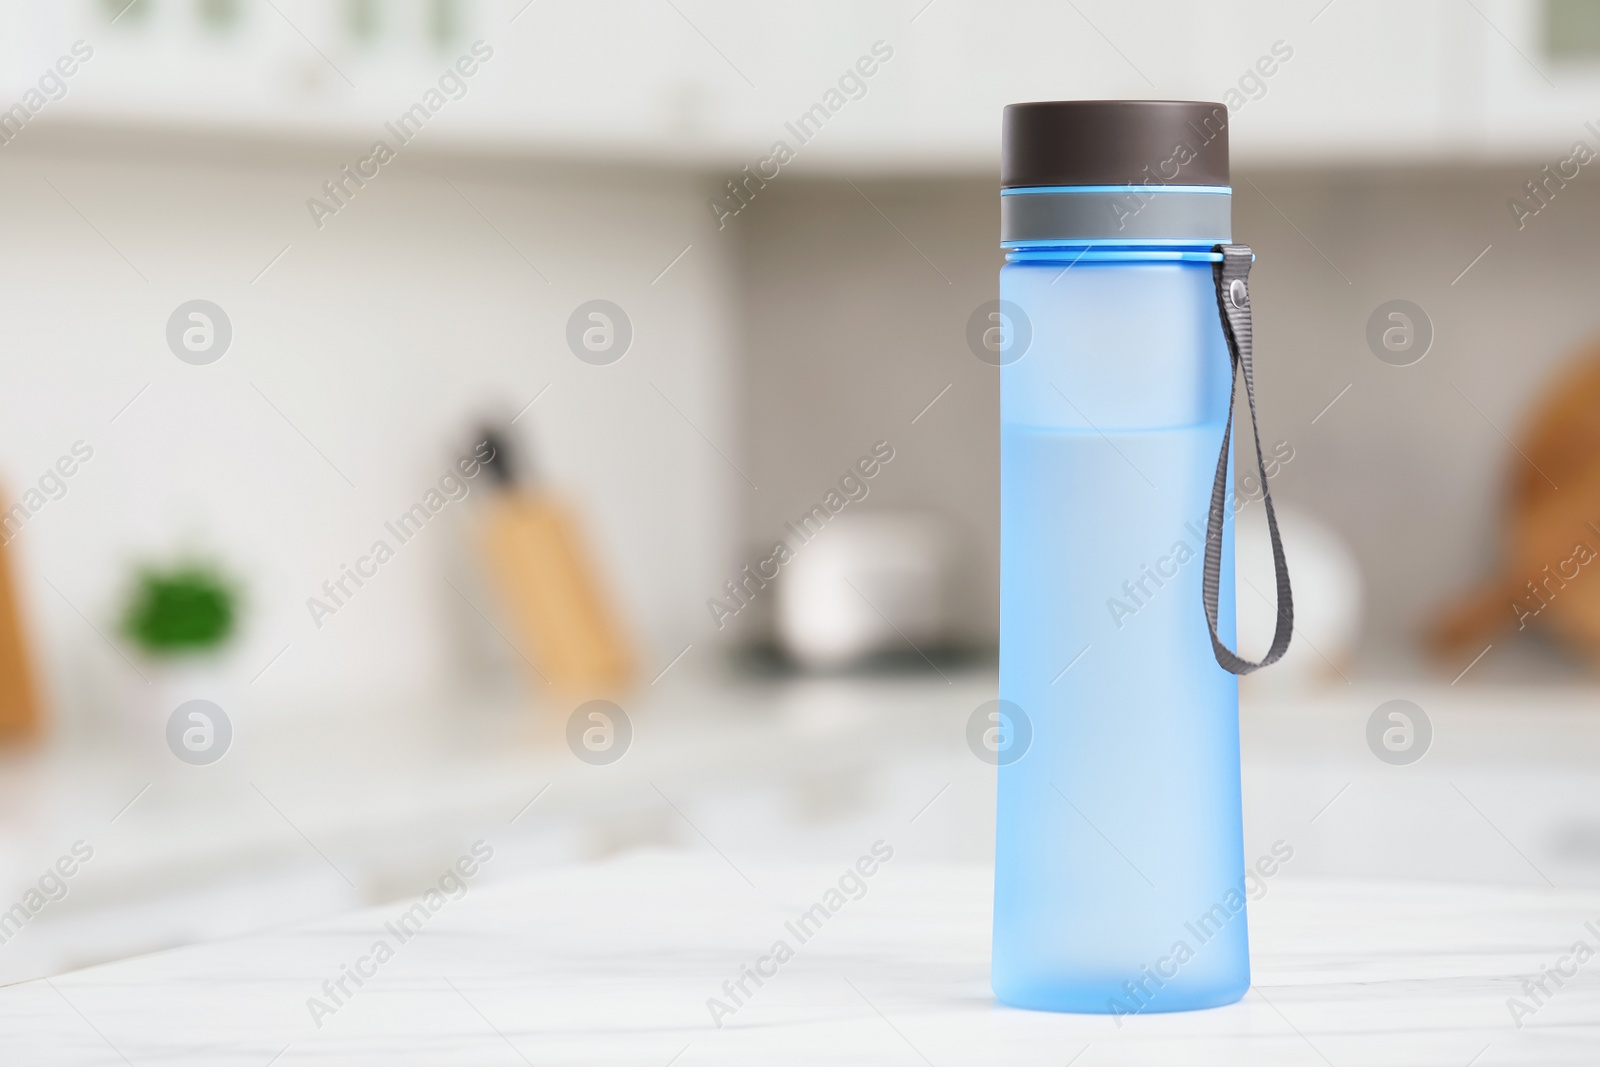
<point x="1114" y="142"/>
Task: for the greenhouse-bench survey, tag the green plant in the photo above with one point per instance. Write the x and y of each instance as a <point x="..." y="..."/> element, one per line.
<point x="184" y="608"/>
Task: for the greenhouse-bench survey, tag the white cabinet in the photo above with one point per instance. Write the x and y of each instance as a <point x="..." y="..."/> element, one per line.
<point x="717" y="82"/>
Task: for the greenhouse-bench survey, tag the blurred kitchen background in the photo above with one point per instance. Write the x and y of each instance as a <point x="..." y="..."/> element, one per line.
<point x="369" y="319"/>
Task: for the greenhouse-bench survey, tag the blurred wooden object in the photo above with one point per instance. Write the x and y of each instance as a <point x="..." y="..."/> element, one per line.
<point x="1549" y="576"/>
<point x="549" y="587"/>
<point x="20" y="716"/>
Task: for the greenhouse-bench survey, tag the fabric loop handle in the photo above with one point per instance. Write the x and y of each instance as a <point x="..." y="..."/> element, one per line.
<point x="1233" y="301"/>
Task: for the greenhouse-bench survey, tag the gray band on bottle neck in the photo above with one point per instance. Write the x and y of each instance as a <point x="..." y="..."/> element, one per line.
<point x="1134" y="214"/>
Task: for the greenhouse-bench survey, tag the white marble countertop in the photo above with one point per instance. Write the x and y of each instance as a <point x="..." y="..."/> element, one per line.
<point x="614" y="964"/>
<point x="313" y="815"/>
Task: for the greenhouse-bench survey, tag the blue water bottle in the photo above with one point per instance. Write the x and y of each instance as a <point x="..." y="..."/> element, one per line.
<point x="1120" y="877"/>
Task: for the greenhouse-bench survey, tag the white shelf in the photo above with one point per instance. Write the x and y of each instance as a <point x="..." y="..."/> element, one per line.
<point x="712" y="83"/>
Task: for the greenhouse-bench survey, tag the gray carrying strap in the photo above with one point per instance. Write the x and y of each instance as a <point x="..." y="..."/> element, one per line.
<point x="1233" y="300"/>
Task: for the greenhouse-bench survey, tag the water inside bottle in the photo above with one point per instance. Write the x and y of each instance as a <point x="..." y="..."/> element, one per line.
<point x="1117" y="839"/>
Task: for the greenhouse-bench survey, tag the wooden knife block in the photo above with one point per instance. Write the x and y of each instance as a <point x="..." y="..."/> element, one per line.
<point x="549" y="589"/>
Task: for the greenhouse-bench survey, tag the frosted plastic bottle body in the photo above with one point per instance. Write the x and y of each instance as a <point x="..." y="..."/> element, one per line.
<point x="1119" y="858"/>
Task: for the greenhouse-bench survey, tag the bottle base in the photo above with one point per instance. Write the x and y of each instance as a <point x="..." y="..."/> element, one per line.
<point x="1107" y="1000"/>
